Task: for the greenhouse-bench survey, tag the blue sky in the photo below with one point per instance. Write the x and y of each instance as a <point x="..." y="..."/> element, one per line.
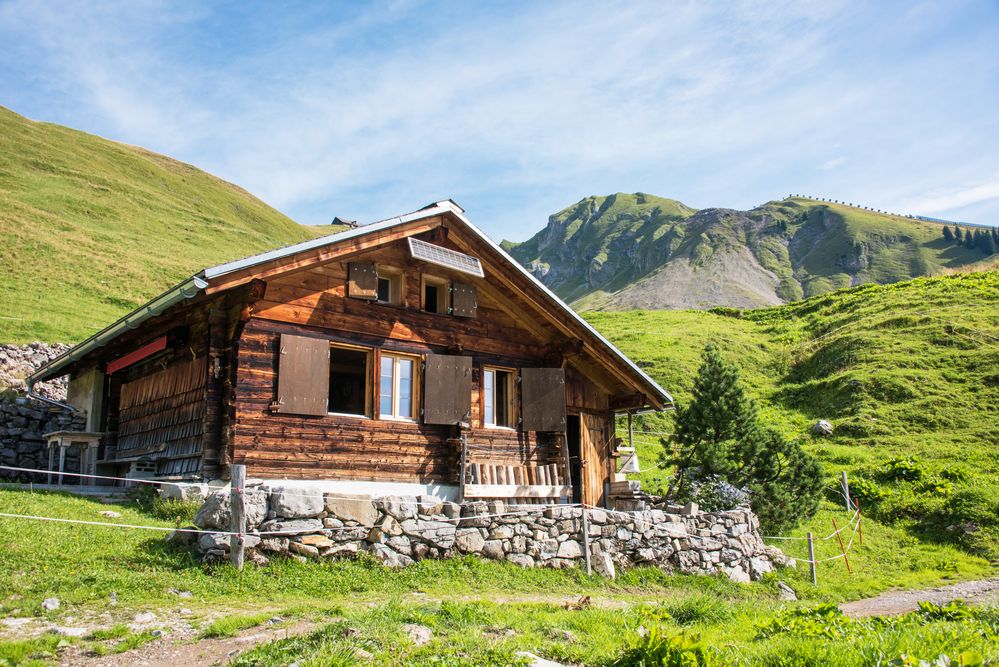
<point x="518" y="109"/>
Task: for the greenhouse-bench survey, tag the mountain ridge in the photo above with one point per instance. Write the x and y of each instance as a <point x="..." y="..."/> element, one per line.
<point x="638" y="250"/>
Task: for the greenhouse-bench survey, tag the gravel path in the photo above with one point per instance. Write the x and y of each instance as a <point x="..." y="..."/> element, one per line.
<point x="892" y="603"/>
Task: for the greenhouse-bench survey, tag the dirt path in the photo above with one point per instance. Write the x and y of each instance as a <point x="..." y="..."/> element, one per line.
<point x="892" y="603"/>
<point x="188" y="651"/>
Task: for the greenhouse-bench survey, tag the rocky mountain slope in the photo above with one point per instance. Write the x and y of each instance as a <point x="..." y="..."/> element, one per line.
<point x="91" y="228"/>
<point x="637" y="250"/>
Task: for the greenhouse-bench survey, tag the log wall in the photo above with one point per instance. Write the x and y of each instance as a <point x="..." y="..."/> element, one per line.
<point x="314" y="302"/>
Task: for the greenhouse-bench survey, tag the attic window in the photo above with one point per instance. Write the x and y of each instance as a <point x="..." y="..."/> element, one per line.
<point x="435" y="295"/>
<point x="389" y="286"/>
<point x="451" y="259"/>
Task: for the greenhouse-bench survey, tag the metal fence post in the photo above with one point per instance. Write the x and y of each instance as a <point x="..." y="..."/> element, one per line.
<point x="845" y="483"/>
<point x="586" y="539"/>
<point x="811" y="560"/>
<point x="238" y="507"/>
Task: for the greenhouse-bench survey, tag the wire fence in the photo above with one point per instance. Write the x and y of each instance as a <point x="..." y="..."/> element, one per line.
<point x="853" y="524"/>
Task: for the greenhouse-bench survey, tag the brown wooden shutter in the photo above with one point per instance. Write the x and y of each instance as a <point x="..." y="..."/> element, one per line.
<point x="303" y="376"/>
<point x="542" y="392"/>
<point x="464" y="300"/>
<point x="448" y="392"/>
<point x="362" y="280"/>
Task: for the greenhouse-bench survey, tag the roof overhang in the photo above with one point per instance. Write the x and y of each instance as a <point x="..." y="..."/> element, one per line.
<point x="205" y="279"/>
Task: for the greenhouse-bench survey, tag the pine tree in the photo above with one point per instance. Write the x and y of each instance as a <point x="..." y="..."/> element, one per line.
<point x="720" y="434"/>
<point x="987" y="245"/>
<point x="958" y="236"/>
<point x="948" y="235"/>
<point x="969" y="239"/>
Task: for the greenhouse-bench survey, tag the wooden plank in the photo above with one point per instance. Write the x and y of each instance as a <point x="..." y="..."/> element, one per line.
<point x="542" y="393"/>
<point x="321" y="255"/>
<point x="448" y="389"/>
<point x="514" y="491"/>
<point x="304" y="376"/>
<point x="464" y="300"/>
<point x="362" y="280"/>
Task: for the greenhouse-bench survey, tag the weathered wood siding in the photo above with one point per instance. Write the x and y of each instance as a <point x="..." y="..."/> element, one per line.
<point x="161" y="417"/>
<point x="313" y="302"/>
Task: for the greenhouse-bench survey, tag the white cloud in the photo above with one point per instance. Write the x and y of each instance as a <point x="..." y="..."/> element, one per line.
<point x="942" y="201"/>
<point x="515" y="115"/>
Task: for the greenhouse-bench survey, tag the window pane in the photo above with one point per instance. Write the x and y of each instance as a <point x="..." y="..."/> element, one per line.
<point x="384" y="289"/>
<point x="385" y="387"/>
<point x="502" y="398"/>
<point x="405" y="387"/>
<point x="430" y="298"/>
<point x="488" y="382"/>
<point x="348" y="380"/>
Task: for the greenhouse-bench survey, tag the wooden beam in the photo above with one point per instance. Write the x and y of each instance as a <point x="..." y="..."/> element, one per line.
<point x="321" y="255"/>
<point x="515" y="491"/>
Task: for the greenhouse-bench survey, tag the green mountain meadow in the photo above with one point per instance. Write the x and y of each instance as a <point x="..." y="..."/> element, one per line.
<point x="907" y="373"/>
<point x="94" y="228"/>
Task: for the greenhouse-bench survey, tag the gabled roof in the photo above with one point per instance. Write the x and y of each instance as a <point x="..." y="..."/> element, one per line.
<point x="204" y="280"/>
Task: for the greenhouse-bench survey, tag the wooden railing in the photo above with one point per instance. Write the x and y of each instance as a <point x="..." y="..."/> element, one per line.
<point x="486" y="479"/>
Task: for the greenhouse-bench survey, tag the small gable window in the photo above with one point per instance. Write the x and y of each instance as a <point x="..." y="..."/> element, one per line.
<point x="389" y="286"/>
<point x="436" y="295"/>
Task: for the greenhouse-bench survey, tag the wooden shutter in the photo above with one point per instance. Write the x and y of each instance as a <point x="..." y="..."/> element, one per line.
<point x="464" y="300"/>
<point x="303" y="376"/>
<point x="362" y="280"/>
<point x="448" y="392"/>
<point x="542" y="392"/>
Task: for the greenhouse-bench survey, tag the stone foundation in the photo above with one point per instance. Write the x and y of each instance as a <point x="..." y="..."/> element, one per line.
<point x="289" y="521"/>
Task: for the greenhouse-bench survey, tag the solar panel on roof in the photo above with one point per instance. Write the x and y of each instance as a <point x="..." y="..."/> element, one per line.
<point x="434" y="254"/>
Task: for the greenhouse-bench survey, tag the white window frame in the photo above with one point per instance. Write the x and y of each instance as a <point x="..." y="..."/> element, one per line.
<point x="396" y="379"/>
<point x="489" y="420"/>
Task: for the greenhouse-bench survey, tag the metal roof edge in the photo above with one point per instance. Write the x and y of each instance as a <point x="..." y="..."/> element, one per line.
<point x="190" y="287"/>
<point x="253" y="260"/>
<point x="179" y="292"/>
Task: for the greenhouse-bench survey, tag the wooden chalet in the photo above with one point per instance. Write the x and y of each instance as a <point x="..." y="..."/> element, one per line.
<point x="411" y="355"/>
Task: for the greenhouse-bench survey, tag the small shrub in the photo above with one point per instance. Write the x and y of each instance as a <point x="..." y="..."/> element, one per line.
<point x="697" y="609"/>
<point x="908" y="469"/>
<point x="660" y="648"/>
<point x="867" y="492"/>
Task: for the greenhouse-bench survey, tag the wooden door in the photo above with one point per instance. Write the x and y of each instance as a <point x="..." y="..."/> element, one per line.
<point x="592" y="445"/>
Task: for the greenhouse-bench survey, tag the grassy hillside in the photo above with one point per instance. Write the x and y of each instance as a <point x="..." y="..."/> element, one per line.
<point x="93" y="228"/>
<point x="632" y="251"/>
<point x="908" y="373"/>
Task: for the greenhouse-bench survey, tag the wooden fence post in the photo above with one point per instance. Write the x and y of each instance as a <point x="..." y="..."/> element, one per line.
<point x="860" y="529"/>
<point x="586" y="539"/>
<point x="811" y="560"/>
<point x="846" y="559"/>
<point x="238" y="507"/>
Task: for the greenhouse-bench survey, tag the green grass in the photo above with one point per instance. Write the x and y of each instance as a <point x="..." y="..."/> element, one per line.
<point x="484" y="633"/>
<point x="230" y="626"/>
<point x="94" y="228"/>
<point x="908" y="370"/>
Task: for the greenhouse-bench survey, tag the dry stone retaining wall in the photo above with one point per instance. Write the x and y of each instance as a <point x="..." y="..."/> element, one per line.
<point x="23" y="422"/>
<point x="290" y="521"/>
